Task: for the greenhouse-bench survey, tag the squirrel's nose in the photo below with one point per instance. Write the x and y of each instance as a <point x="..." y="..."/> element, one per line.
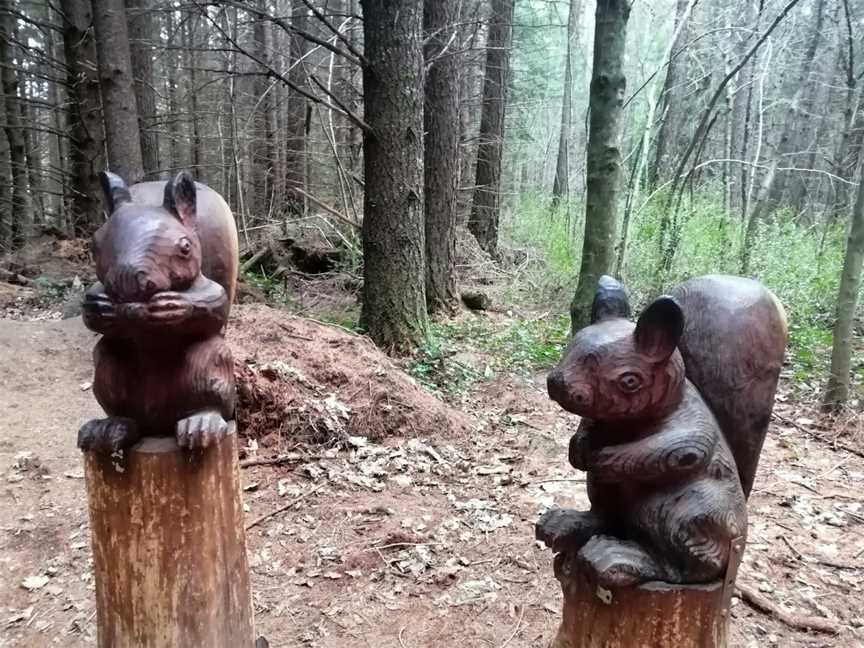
<point x="146" y="286"/>
<point x="128" y="283"/>
<point x="555" y="385"/>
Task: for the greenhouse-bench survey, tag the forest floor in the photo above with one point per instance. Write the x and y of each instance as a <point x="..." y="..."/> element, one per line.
<point x="418" y="535"/>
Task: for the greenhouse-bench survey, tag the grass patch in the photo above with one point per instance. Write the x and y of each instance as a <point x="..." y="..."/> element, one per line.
<point x="523" y="346"/>
<point x="801" y="264"/>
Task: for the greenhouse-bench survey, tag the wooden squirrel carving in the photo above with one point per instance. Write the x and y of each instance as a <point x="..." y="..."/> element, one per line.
<point x="166" y="261"/>
<point x="675" y="411"/>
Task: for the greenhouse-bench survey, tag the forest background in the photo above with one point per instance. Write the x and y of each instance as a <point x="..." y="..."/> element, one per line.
<point x="650" y="140"/>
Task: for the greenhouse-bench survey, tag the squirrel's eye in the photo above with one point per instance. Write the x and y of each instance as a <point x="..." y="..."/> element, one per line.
<point x="629" y="382"/>
<point x="185" y="246"/>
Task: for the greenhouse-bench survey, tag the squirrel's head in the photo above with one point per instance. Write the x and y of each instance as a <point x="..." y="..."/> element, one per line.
<point x="142" y="250"/>
<point x="613" y="370"/>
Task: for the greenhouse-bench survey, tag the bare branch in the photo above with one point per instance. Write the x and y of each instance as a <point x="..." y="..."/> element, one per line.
<point x="320" y="16"/>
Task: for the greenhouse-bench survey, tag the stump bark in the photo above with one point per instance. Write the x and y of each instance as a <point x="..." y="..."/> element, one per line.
<point x="652" y="615"/>
<point x="169" y="546"/>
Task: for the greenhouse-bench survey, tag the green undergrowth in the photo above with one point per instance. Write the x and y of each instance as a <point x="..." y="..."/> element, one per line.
<point x="463" y="351"/>
<point x="800" y="263"/>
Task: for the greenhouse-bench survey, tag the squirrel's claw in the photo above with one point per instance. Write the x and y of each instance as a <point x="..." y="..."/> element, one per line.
<point x="201" y="430"/>
<point x="108" y="435"/>
<point x="563" y="529"/>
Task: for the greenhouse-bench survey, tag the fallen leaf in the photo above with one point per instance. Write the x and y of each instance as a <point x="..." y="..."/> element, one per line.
<point x="33" y="583"/>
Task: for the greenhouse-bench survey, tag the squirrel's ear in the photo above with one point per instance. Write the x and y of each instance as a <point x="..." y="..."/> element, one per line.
<point x="115" y="190"/>
<point x="610" y="300"/>
<point x="181" y="198"/>
<point x="659" y="329"/>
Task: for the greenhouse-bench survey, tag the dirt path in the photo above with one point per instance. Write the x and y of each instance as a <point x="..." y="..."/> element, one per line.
<point x="408" y="543"/>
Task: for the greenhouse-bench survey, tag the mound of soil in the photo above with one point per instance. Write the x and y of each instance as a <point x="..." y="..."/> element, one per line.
<point x="52" y="258"/>
<point x="301" y="381"/>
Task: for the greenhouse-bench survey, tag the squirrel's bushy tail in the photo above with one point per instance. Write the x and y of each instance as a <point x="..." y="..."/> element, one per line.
<point x="733" y="346"/>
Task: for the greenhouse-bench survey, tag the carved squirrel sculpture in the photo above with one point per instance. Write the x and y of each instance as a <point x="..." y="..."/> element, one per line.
<point x="166" y="260"/>
<point x="675" y="411"/>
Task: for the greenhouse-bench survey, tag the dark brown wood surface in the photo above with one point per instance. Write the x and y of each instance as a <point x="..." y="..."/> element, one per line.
<point x="166" y="261"/>
<point x="675" y="409"/>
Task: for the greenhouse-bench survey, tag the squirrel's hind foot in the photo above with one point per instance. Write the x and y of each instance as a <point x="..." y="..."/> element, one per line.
<point x="108" y="435"/>
<point x="620" y="563"/>
<point x="201" y="430"/>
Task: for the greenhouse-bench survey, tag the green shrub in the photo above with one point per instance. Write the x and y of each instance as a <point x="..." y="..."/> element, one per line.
<point x="800" y="264"/>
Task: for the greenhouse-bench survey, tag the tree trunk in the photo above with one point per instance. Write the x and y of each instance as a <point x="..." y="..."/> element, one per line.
<point x="191" y="97"/>
<point x="86" y="134"/>
<point x="485" y="209"/>
<point x="652" y="615"/>
<point x="263" y="132"/>
<point x="674" y="71"/>
<point x="20" y="215"/>
<point x="795" y="128"/>
<point x="172" y="58"/>
<point x="141" y="40"/>
<point x="118" y="96"/>
<point x="32" y="152"/>
<point x="6" y="211"/>
<point x="57" y="147"/>
<point x="748" y="112"/>
<point x="441" y="155"/>
<point x="561" y="185"/>
<point x="604" y="155"/>
<point x="394" y="299"/>
<point x="766" y="199"/>
<point x="473" y="40"/>
<point x="847" y="303"/>
<point x="169" y="546"/>
<point x="295" y="120"/>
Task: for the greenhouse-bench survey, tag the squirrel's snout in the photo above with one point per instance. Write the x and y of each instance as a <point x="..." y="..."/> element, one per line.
<point x="572" y="397"/>
<point x="128" y="283"/>
<point x="555" y="385"/>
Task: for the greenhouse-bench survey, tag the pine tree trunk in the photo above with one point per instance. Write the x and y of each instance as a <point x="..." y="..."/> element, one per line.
<point x="263" y="135"/>
<point x="471" y="91"/>
<point x="32" y="152"/>
<point x="141" y="40"/>
<point x="485" y="209"/>
<point x="118" y="95"/>
<point x="668" y="113"/>
<point x="441" y="155"/>
<point x="394" y="300"/>
<point x="20" y="215"/>
<point x="57" y="147"/>
<point x="847" y="303"/>
<point x="172" y="95"/>
<point x="6" y="212"/>
<point x="795" y="127"/>
<point x="295" y="120"/>
<point x="604" y="154"/>
<point x="191" y="98"/>
<point x="86" y="134"/>
<point x="561" y="185"/>
<point x="748" y="116"/>
<point x="770" y="189"/>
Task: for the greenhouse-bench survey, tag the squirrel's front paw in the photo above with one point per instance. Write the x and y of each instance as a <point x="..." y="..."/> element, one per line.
<point x="201" y="430"/>
<point x="169" y="307"/>
<point x="618" y="563"/>
<point x="563" y="529"/>
<point x="108" y="435"/>
<point x="98" y="311"/>
<point x="579" y="452"/>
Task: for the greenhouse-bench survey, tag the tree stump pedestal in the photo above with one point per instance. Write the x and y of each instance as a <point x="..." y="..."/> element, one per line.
<point x="651" y="615"/>
<point x="169" y="546"/>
